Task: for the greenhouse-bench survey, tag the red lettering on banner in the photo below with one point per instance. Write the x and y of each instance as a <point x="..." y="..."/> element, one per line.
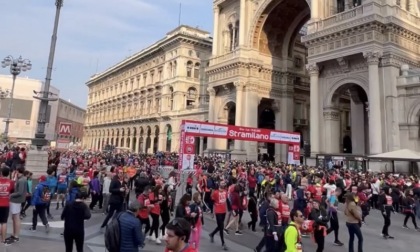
<point x="205" y="129"/>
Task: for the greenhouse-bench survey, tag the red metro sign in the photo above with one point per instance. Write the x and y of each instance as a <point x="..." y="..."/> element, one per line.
<point x="198" y="129"/>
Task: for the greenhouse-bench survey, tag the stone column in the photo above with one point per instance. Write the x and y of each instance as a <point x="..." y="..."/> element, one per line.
<point x="357" y="126"/>
<point x="314" y="10"/>
<point x="216" y="12"/>
<point x="278" y="113"/>
<point x="211" y="117"/>
<point x="201" y="147"/>
<point x="314" y="108"/>
<point x="152" y="144"/>
<point x="238" y="113"/>
<point x="251" y="117"/>
<point x="286" y="118"/>
<point x="375" y="124"/>
<point x="137" y="150"/>
<point x="132" y="143"/>
<point x="242" y="23"/>
<point x="332" y="130"/>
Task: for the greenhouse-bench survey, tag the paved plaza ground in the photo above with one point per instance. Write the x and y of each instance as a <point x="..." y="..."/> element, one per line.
<point x="39" y="241"/>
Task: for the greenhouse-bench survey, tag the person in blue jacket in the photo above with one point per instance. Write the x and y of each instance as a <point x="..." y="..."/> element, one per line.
<point x="40" y="199"/>
<point x="52" y="184"/>
<point x="74" y="189"/>
<point x="130" y="232"/>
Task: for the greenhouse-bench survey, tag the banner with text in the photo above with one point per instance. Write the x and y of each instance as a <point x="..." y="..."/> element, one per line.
<point x="293" y="155"/>
<point x="186" y="151"/>
<point x="191" y="129"/>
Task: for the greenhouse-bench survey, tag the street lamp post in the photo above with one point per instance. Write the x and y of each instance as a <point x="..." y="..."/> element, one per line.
<point x="16" y="67"/>
<point x="40" y="140"/>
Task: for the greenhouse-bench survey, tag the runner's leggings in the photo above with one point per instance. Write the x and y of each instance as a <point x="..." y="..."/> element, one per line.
<point x="220" y="220"/>
<point x="155" y="225"/>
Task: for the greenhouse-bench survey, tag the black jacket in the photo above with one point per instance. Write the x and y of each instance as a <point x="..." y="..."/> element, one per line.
<point x="116" y="197"/>
<point x="140" y="184"/>
<point x="273" y="221"/>
<point x="180" y="211"/>
<point x="320" y="217"/>
<point x="74" y="216"/>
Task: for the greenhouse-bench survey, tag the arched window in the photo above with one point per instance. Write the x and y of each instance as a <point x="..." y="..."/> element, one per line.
<point x="191" y="97"/>
<point x="197" y="70"/>
<point x="189" y="69"/>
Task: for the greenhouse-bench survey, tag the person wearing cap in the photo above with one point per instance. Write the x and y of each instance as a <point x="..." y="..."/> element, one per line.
<point x="40" y="199"/>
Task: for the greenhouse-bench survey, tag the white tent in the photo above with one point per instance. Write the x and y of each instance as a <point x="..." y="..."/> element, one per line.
<point x="398" y="155"/>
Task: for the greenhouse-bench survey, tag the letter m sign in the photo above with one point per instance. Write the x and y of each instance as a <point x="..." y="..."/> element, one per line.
<point x="64" y="129"/>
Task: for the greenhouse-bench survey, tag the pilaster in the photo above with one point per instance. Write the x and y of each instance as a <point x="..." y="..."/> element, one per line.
<point x="211" y="117"/>
<point x="313" y="70"/>
<point x="332" y="119"/>
<point x="375" y="124"/>
<point x="251" y="119"/>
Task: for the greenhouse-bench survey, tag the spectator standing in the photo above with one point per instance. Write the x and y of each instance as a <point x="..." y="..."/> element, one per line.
<point x="74" y="216"/>
<point x="16" y="199"/>
<point x="116" y="198"/>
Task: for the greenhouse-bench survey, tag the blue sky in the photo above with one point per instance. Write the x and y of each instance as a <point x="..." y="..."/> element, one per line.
<point x="93" y="34"/>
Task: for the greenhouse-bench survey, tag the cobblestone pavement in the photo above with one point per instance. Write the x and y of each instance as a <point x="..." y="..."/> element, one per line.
<point x="405" y="240"/>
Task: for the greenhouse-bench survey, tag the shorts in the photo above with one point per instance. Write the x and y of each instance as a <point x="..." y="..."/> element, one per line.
<point x="15" y="208"/>
<point x="4" y="215"/>
<point x="61" y="190"/>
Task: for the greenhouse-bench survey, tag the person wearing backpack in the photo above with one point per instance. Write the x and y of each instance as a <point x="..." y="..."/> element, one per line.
<point x="262" y="210"/>
<point x="131" y="236"/>
<point x="273" y="230"/>
<point x="40" y="199"/>
<point x="291" y="240"/>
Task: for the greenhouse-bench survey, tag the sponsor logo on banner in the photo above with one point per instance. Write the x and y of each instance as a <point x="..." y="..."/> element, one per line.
<point x="248" y="135"/>
<point x="207" y="129"/>
<point x="189" y="140"/>
<point x="276" y="136"/>
<point x="295" y="138"/>
<point x="220" y="130"/>
<point x="192" y="127"/>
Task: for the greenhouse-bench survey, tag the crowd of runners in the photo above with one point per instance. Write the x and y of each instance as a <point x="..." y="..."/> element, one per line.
<point x="285" y="202"/>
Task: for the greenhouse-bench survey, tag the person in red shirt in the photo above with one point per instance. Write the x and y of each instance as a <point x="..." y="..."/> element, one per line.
<point x="219" y="197"/>
<point x="6" y="187"/>
<point x="178" y="232"/>
<point x="156" y="199"/>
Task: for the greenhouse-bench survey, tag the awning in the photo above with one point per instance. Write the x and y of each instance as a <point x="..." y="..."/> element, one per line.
<point x="398" y="155"/>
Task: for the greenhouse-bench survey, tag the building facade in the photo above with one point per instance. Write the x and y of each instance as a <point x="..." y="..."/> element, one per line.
<point x="139" y="103"/>
<point x="25" y="109"/>
<point x="70" y="114"/>
<point x="327" y="69"/>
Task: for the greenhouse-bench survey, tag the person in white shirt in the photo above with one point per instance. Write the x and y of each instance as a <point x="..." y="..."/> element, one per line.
<point x="330" y="187"/>
<point x="105" y="192"/>
<point x="375" y="185"/>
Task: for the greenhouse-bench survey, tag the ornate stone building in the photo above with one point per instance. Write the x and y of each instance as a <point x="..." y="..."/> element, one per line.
<point x="344" y="100"/>
<point x="139" y="103"/>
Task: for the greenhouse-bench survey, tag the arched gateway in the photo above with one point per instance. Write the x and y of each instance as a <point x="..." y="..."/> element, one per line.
<point x="326" y="69"/>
